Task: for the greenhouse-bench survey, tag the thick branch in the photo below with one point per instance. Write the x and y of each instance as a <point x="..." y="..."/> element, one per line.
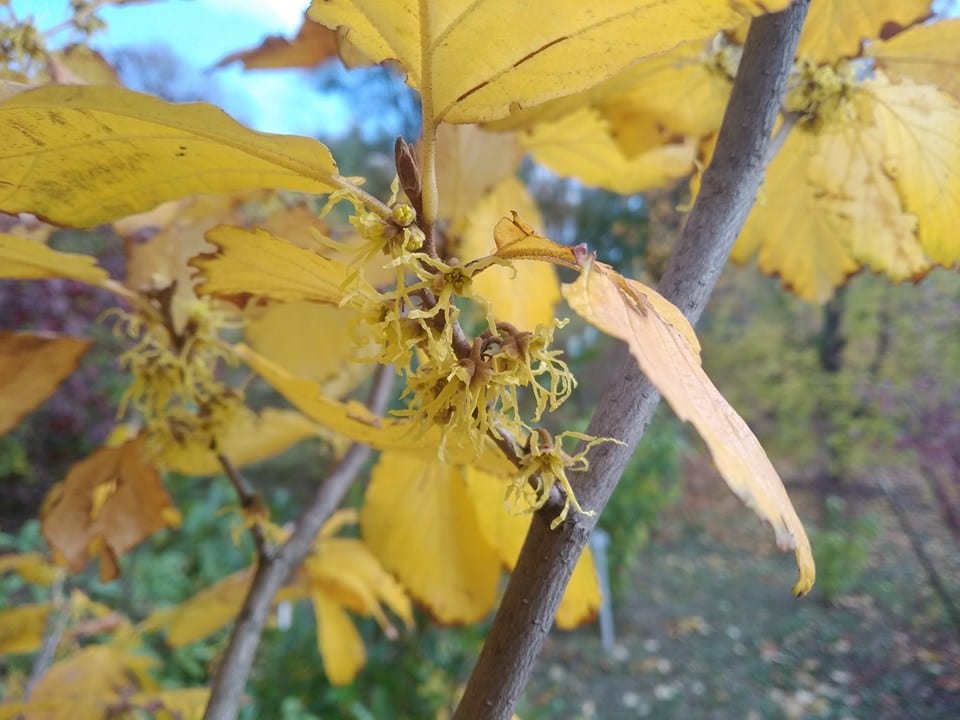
<point x="228" y="684"/>
<point x="727" y="193"/>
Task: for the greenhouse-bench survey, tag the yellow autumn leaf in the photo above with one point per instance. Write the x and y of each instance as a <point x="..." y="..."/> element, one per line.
<point x="835" y="28"/>
<point x="310" y="340"/>
<point x="202" y="614"/>
<point x="354" y="421"/>
<point x="341" y="647"/>
<point x="107" y="504"/>
<point x="32" y="567"/>
<point x="506" y="532"/>
<point x="179" y="704"/>
<point x="79" y="155"/>
<point x="526" y="295"/>
<point x="418" y="519"/>
<point x="32" y="366"/>
<point x="924" y="53"/>
<point x="520" y="54"/>
<point x="25" y="259"/>
<point x="23" y="628"/>
<point x="658" y="341"/>
<point x="580" y="145"/>
<point x="250" y="438"/>
<point x="254" y="262"/>
<point x="470" y="163"/>
<point x="791" y="234"/>
<point x="920" y="126"/>
<point x="79" y="64"/>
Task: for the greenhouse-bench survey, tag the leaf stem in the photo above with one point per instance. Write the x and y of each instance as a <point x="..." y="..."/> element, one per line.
<point x="727" y="193"/>
<point x="250" y="502"/>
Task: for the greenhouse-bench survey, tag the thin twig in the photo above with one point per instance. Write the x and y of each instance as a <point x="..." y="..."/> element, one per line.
<point x="227" y="687"/>
<point x="55" y="627"/>
<point x="252" y="505"/>
<point x="727" y="193"/>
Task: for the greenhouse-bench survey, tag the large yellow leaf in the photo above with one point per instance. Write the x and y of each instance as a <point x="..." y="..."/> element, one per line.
<point x="23" y="628"/>
<point x="920" y="126"/>
<point x="341" y="647"/>
<point x="204" y="613"/>
<point x="418" y="519"/>
<point x="506" y="532"/>
<point x="526" y="295"/>
<point x="354" y="421"/>
<point x="791" y="233"/>
<point x="925" y="53"/>
<point x="254" y="262"/>
<point x="31" y="368"/>
<point x="79" y="155"/>
<point x="106" y="505"/>
<point x="251" y="438"/>
<point x="470" y="163"/>
<point x="580" y="145"/>
<point x="519" y="54"/>
<point x="25" y="259"/>
<point x="835" y="28"/>
<point x="658" y="341"/>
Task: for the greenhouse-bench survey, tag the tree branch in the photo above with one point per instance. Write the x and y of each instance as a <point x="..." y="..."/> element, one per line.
<point x="727" y="193"/>
<point x="252" y="505"/>
<point x="226" y="690"/>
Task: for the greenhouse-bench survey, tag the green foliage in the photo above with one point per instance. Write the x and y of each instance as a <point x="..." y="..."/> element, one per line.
<point x="842" y="548"/>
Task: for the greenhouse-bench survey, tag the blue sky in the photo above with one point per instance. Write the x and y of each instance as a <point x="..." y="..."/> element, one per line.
<point x="203" y="31"/>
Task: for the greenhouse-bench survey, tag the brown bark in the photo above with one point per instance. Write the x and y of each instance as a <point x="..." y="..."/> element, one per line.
<point x="727" y="193"/>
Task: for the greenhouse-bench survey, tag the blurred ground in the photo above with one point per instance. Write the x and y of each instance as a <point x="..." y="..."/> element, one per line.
<point x="709" y="628"/>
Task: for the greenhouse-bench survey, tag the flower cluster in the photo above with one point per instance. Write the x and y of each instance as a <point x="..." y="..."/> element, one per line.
<point x="819" y="93"/>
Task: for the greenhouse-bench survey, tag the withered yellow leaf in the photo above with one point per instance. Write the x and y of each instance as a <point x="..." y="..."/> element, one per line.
<point x="254" y="262"/>
<point x="32" y="567"/>
<point x="835" y="28"/>
<point x="924" y="53"/>
<point x="79" y="64"/>
<point x="793" y="235"/>
<point x="313" y="45"/>
<point x="520" y="54"/>
<point x="920" y="126"/>
<point x="23" y="628"/>
<point x="506" y="532"/>
<point x="470" y="163"/>
<point x="418" y="519"/>
<point x="251" y="438"/>
<point x="204" y="613"/>
<point x="32" y="366"/>
<point x="527" y="294"/>
<point x="516" y="240"/>
<point x="107" y="504"/>
<point x="658" y="341"/>
<point x="25" y="259"/>
<point x="341" y="647"/>
<point x="79" y="155"/>
<point x="580" y="145"/>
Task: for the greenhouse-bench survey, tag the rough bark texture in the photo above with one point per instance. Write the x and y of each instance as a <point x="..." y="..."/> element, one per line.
<point x="727" y="193"/>
<point x="226" y="691"/>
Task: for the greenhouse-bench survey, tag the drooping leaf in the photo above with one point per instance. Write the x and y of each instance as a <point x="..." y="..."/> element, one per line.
<point x="254" y="437"/>
<point x="658" y="339"/>
<point x="313" y="45"/>
<point x="32" y="366"/>
<point x="107" y="504"/>
<point x="924" y="53"/>
<point x="580" y="145"/>
<point x="444" y="562"/>
<point x="25" y="259"/>
<point x="257" y="263"/>
<point x="527" y="294"/>
<point x="341" y="647"/>
<point x="23" y="628"/>
<point x="506" y="532"/>
<point x="202" y="614"/>
<point x="520" y="54"/>
<point x="835" y="28"/>
<point x="920" y="126"/>
<point x="79" y="155"/>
